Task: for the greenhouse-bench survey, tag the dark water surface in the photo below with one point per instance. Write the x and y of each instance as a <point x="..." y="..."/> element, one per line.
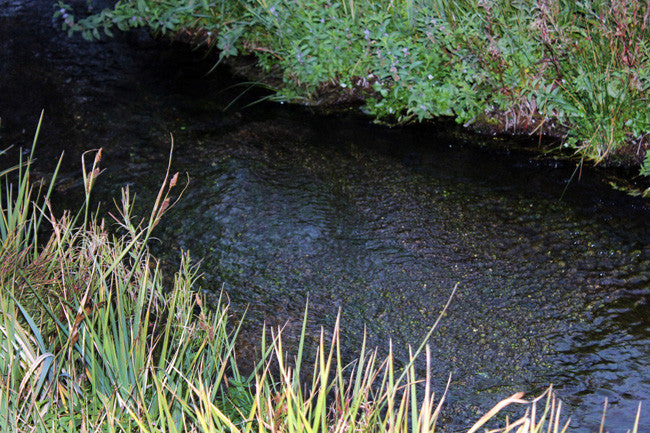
<point x="283" y="206"/>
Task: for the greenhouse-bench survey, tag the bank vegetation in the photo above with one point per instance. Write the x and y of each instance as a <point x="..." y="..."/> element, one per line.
<point x="579" y="71"/>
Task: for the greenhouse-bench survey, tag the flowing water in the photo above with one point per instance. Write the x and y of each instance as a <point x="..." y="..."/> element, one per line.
<point x="284" y="206"/>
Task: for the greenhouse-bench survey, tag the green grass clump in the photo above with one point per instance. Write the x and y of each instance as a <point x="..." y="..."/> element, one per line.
<point x="579" y="70"/>
<point x="93" y="339"/>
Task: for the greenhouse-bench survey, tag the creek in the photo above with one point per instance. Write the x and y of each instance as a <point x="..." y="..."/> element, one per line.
<point x="285" y="206"/>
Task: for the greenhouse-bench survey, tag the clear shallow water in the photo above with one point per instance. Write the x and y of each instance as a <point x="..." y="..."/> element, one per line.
<point x="380" y="223"/>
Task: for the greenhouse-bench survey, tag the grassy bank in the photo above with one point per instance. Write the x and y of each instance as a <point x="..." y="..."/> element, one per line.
<point x="579" y="70"/>
<point x="93" y="339"/>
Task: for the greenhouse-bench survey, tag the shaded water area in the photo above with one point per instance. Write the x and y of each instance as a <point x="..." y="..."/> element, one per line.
<point x="285" y="206"/>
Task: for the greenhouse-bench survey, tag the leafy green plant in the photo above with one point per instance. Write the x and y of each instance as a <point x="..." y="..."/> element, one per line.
<point x="599" y="90"/>
<point x="579" y="70"/>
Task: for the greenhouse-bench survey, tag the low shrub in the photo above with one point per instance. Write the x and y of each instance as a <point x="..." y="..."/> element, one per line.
<point x="574" y="69"/>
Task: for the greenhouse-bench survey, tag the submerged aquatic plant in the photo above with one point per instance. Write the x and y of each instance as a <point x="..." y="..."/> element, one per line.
<point x="93" y="339"/>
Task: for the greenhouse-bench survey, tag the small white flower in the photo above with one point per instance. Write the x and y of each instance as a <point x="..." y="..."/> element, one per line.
<point x="430" y="77"/>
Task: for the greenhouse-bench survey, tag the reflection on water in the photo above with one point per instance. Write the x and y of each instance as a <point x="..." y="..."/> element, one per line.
<point x="380" y="223"/>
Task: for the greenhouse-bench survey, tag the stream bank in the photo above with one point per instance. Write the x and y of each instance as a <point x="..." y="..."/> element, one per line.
<point x="283" y="205"/>
<point x="520" y="68"/>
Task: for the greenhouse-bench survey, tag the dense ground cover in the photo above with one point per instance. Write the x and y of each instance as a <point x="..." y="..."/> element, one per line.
<point x="92" y="338"/>
<point x="579" y="70"/>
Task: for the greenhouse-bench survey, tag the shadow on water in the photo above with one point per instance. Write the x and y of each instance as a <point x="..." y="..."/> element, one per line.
<point x="284" y="206"/>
